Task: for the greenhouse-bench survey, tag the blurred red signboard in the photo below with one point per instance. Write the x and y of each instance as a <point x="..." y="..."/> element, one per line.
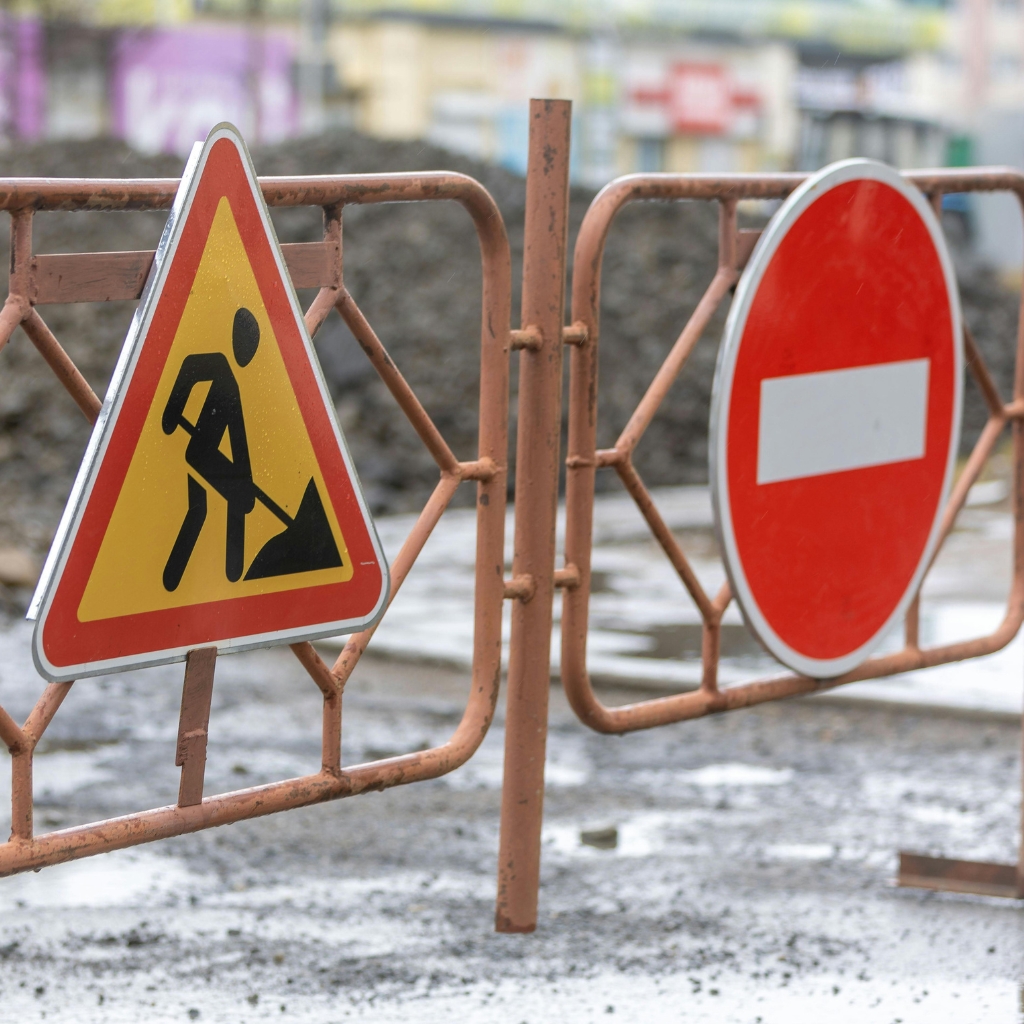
<point x="700" y="98"/>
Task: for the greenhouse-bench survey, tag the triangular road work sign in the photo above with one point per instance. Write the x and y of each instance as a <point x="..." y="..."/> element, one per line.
<point x="216" y="504"/>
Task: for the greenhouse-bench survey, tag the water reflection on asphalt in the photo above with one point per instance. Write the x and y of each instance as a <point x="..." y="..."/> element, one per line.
<point x="646" y="629"/>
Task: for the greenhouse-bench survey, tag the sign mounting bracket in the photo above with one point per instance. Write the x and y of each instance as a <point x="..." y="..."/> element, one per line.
<point x="194" y="723"/>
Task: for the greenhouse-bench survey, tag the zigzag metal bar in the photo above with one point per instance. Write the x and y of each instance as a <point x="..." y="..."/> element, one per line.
<point x="397" y="385"/>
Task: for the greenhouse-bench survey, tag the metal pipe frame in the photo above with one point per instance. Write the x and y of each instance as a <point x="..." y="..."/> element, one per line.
<point x="584" y="459"/>
<point x="98" y="277"/>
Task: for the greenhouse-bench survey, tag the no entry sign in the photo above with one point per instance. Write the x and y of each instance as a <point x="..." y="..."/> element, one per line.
<point x="835" y="416"/>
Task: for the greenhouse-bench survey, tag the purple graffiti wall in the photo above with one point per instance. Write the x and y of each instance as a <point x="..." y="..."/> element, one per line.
<point x="169" y="86"/>
<point x="30" y="81"/>
<point x="22" y="77"/>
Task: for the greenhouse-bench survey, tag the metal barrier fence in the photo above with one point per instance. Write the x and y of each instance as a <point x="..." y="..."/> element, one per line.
<point x="522" y="806"/>
<point x="38" y="279"/>
<point x="584" y="459"/>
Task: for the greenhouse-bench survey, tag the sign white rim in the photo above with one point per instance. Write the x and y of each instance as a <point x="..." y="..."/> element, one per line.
<point x="746" y="290"/>
<point x="103" y="430"/>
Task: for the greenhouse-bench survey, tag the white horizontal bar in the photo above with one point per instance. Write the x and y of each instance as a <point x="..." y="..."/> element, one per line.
<point x="817" y="423"/>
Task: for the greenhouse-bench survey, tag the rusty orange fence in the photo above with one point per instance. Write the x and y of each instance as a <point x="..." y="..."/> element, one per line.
<point x="522" y="807"/>
<point x="39" y="279"/>
<point x="584" y="459"/>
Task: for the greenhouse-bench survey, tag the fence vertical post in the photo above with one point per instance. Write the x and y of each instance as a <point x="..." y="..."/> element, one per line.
<point x="537" y="468"/>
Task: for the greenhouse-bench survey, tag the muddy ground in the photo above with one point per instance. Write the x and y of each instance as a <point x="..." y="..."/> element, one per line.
<point x="750" y="878"/>
<point x="415" y="271"/>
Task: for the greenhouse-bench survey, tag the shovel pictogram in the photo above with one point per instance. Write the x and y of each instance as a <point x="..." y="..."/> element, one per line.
<point x="305" y="544"/>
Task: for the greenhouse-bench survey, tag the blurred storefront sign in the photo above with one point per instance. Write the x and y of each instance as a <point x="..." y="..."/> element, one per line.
<point x="886" y="111"/>
<point x="695" y="97"/>
<point x="886" y="89"/>
<point x="699" y="98"/>
<point x="713" y="108"/>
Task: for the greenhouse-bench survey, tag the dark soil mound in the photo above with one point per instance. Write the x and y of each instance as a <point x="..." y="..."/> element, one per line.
<point x="415" y="272"/>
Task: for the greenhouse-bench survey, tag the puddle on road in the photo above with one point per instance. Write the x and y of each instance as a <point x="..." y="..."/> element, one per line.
<point x="639" y="835"/>
<point x="119" y="879"/>
<point x="736" y="774"/>
<point x="651" y="832"/>
<point x="669" y="655"/>
<point x="644" y="627"/>
<point x="567" y="765"/>
<point x="800" y="851"/>
<point x="712" y="776"/>
<point x="56" y="775"/>
<point x="683" y="642"/>
<point x="636" y="629"/>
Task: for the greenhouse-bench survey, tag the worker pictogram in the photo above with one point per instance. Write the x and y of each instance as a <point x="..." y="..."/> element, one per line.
<point x="216" y="505"/>
<point x="836" y="415"/>
<point x="218" y="452"/>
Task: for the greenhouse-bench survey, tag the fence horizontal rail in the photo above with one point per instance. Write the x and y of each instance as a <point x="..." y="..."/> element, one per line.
<point x="103" y="194"/>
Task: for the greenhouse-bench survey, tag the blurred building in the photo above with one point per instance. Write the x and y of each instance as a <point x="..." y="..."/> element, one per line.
<point x="890" y="110"/>
<point x="157" y="86"/>
<point x="688" y="85"/>
<point x="460" y="82"/>
<point x="983" y="97"/>
<point x="694" y="86"/>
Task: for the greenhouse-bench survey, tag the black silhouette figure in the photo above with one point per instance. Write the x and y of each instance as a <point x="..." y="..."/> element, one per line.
<point x="306" y="543"/>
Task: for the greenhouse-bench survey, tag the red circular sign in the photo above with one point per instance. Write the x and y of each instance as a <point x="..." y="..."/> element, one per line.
<point x="835" y="417"/>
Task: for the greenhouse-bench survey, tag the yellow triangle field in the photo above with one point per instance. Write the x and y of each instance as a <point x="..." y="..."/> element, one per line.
<point x="127" y="575"/>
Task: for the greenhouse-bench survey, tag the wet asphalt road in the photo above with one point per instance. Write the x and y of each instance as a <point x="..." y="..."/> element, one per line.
<point x="750" y="880"/>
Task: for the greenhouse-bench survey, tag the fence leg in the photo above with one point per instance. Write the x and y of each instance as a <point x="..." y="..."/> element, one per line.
<point x="537" y="466"/>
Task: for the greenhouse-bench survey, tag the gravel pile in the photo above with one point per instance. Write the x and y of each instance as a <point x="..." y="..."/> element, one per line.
<point x="415" y="272"/>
